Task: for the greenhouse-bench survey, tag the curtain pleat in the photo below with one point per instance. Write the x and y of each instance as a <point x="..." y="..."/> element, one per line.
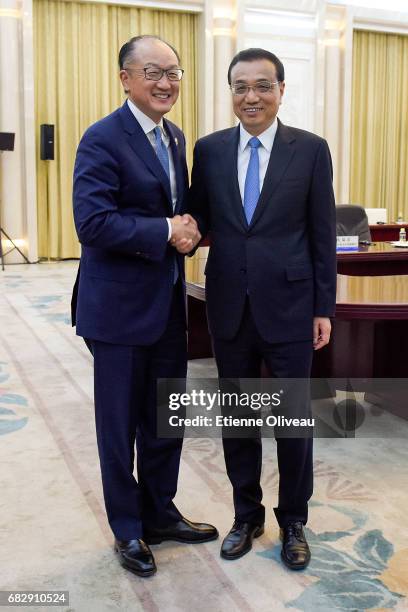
<point x="379" y="122"/>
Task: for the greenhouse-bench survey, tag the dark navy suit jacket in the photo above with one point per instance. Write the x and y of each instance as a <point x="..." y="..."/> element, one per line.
<point x="285" y="260"/>
<point x="121" y="198"/>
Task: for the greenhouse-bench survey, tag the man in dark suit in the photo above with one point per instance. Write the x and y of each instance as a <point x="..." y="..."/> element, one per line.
<point x="263" y="191"/>
<point x="129" y="180"/>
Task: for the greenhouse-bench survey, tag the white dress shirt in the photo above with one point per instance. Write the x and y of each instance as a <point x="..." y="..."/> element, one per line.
<point x="264" y="152"/>
<point x="148" y="126"/>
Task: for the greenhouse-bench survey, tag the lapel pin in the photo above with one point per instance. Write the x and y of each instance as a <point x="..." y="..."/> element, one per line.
<point x="176" y="141"/>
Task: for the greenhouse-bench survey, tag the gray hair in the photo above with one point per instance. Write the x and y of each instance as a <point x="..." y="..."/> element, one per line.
<point x="128" y="48"/>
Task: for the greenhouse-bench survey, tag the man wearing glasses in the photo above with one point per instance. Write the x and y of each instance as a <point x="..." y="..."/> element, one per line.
<point x="129" y="181"/>
<point x="263" y="191"/>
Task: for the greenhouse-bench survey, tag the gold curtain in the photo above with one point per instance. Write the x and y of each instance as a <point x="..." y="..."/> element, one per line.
<point x="379" y="125"/>
<point x="76" y="46"/>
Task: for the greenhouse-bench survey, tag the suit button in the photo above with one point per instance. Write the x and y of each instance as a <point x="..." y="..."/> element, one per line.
<point x="243" y="270"/>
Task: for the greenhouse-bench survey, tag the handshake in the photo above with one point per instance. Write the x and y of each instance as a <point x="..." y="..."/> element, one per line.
<point x="184" y="233"/>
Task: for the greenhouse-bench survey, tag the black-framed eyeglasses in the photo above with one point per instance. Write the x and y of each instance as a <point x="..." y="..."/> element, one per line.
<point x="155" y="74"/>
<point x="263" y="87"/>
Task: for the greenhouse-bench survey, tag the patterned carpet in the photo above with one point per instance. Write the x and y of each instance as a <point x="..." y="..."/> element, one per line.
<point x="52" y="521"/>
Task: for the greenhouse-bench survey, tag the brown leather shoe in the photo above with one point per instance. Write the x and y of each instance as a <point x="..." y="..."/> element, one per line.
<point x="135" y="556"/>
<point x="295" y="551"/>
<point x="182" y="531"/>
<point x="239" y="540"/>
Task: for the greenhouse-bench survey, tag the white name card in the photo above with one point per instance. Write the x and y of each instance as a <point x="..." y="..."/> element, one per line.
<point x="347" y="243"/>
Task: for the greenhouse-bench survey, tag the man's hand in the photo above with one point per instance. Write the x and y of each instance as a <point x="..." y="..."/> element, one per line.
<point x="184" y="234"/>
<point x="321" y="332"/>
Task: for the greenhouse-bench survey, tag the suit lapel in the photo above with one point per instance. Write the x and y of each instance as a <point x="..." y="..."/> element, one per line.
<point x="282" y="152"/>
<point x="229" y="161"/>
<point x="175" y="151"/>
<point x="143" y="149"/>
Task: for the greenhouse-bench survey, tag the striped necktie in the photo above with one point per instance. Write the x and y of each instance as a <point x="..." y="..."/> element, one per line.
<point x="163" y="155"/>
<point x="161" y="151"/>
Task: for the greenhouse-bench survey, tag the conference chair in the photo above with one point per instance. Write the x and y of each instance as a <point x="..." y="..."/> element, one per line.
<point x="352" y="220"/>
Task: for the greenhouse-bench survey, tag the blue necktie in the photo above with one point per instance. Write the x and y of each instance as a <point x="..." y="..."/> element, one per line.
<point x="251" y="189"/>
<point x="161" y="151"/>
<point x="163" y="155"/>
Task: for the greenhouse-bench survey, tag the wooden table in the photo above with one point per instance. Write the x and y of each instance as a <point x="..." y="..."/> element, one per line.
<point x="199" y="340"/>
<point x="362" y="304"/>
<point x="370" y="331"/>
<point x="386" y="231"/>
<point x="380" y="259"/>
<point x="369" y="335"/>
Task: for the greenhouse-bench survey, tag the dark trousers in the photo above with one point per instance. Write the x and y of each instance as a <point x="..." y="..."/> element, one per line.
<point x="242" y="358"/>
<point x="125" y="413"/>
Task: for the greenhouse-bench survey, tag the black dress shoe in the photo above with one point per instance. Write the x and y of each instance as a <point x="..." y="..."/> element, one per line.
<point x="135" y="556"/>
<point x="181" y="531"/>
<point x="295" y="550"/>
<point x="239" y="540"/>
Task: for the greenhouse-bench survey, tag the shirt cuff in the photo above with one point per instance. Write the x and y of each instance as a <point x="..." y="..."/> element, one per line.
<point x="169" y="224"/>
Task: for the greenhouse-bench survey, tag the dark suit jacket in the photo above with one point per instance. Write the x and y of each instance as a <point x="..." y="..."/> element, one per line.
<point x="121" y="198"/>
<point x="286" y="259"/>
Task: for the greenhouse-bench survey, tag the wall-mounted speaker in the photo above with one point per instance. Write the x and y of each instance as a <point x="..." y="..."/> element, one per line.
<point x="6" y="141"/>
<point x="47" y="141"/>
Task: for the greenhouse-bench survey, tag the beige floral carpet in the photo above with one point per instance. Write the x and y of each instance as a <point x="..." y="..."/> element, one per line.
<point x="54" y="535"/>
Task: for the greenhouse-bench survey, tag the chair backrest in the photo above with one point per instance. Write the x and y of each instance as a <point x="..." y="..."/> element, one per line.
<point x="351" y="220"/>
